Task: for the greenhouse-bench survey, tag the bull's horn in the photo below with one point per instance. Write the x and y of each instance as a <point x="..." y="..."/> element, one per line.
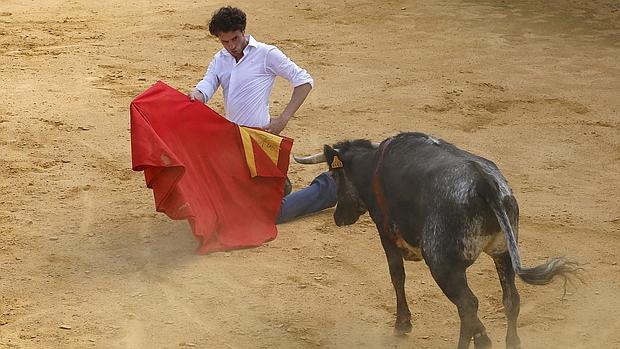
<point x="312" y="159"/>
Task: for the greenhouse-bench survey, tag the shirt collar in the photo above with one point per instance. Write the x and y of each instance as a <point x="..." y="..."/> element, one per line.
<point x="251" y="41"/>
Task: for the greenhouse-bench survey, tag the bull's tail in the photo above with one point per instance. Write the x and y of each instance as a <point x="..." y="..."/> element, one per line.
<point x="539" y="275"/>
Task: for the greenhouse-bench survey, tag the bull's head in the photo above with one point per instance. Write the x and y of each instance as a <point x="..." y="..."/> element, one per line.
<point x="350" y="204"/>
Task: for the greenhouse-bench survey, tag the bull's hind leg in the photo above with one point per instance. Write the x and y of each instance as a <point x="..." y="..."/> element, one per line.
<point x="510" y="297"/>
<point x="506" y="274"/>
<point x="452" y="280"/>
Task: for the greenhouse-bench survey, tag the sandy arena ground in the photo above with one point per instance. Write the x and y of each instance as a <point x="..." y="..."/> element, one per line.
<point x="86" y="262"/>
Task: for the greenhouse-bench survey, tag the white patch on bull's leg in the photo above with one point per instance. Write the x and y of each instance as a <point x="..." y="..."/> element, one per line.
<point x="497" y="244"/>
<point x="473" y="240"/>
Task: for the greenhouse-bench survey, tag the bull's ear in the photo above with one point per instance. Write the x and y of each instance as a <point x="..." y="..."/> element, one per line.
<point x="332" y="157"/>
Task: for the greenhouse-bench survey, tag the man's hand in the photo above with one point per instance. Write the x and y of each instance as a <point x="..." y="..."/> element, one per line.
<point x="196" y="95"/>
<point x="277" y="125"/>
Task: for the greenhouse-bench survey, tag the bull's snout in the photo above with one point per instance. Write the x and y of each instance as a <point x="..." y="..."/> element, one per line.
<point x="340" y="220"/>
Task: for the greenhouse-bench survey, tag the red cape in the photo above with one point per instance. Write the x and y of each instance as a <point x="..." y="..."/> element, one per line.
<point x="226" y="180"/>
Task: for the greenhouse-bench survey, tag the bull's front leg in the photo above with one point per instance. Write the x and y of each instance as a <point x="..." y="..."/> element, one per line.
<point x="397" y="273"/>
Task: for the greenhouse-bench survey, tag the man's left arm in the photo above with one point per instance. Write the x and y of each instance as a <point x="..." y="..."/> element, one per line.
<point x="297" y="99"/>
<point x="279" y="64"/>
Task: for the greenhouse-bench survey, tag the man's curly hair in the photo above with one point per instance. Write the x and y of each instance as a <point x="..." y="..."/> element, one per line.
<point x="227" y="19"/>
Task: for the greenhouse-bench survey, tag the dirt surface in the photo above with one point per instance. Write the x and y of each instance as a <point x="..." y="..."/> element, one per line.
<point x="85" y="262"/>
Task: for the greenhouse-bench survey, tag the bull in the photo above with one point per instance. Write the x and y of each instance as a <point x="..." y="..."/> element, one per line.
<point x="433" y="201"/>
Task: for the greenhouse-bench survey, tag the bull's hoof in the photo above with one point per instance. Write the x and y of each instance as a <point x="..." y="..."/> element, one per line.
<point x="482" y="341"/>
<point x="402" y="328"/>
<point x="514" y="344"/>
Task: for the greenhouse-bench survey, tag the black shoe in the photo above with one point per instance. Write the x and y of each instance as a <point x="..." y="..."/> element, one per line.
<point x="288" y="187"/>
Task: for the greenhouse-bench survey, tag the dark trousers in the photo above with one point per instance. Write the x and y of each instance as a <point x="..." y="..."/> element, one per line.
<point x="319" y="195"/>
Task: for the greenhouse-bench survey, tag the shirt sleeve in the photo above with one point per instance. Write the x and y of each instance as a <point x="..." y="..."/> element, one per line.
<point x="210" y="82"/>
<point x="279" y="64"/>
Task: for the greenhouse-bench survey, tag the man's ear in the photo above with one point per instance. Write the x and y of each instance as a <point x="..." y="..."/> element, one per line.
<point x="332" y="157"/>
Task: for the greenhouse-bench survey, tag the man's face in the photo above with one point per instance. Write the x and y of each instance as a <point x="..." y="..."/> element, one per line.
<point x="234" y="42"/>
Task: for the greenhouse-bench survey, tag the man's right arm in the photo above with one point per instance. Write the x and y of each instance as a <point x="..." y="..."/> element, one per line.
<point x="207" y="86"/>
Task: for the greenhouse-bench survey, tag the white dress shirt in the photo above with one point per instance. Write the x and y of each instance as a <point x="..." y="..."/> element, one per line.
<point x="247" y="84"/>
